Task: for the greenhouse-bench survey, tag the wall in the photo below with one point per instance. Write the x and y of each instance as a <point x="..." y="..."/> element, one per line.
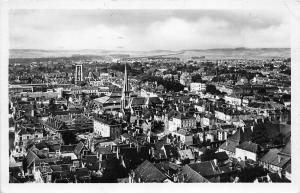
<point x="101" y="129"/>
<point x="240" y="153"/>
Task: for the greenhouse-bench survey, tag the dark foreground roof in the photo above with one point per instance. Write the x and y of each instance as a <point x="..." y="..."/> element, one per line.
<point x="148" y="173"/>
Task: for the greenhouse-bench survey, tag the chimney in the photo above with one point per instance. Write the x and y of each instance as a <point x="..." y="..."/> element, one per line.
<point x="152" y="151"/>
<point x="118" y="152"/>
<point x="215" y="161"/>
<point x="122" y="161"/>
<point x="225" y="135"/>
<point x="280" y="174"/>
<point x="175" y="178"/>
<point x="92" y="146"/>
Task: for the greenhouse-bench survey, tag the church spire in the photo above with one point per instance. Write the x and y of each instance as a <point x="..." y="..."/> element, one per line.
<point x="125" y="91"/>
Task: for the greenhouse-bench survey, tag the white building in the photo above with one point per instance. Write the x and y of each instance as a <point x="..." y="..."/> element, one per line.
<point x="197" y="87"/>
<point x="246" y="150"/>
<point x="183" y="136"/>
<point x="182" y="122"/>
<point x="107" y="128"/>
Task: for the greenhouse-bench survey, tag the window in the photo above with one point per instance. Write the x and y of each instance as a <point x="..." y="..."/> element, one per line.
<point x="27" y="137"/>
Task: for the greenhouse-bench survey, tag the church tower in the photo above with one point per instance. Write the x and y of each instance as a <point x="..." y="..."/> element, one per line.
<point x="78" y="73"/>
<point x="125" y="92"/>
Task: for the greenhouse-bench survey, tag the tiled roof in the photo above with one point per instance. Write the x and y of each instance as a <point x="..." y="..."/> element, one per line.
<point x="165" y="166"/>
<point x="154" y="100"/>
<point x="221" y="156"/>
<point x="31" y="157"/>
<point x="270" y="156"/>
<point x="78" y="148"/>
<point x="229" y="145"/>
<point x="207" y="168"/>
<point x="273" y="157"/>
<point x="102" y="100"/>
<point x="191" y="176"/>
<point x="103" y="150"/>
<point x="148" y="173"/>
<point x="249" y="146"/>
<point x="138" y="101"/>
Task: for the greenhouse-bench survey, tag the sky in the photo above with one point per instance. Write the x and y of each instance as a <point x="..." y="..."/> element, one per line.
<point x="142" y="30"/>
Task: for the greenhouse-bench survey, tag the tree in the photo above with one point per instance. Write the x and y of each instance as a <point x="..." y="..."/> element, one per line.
<point x="196" y="78"/>
<point x="260" y="135"/>
<point x="157" y="126"/>
<point x="69" y="138"/>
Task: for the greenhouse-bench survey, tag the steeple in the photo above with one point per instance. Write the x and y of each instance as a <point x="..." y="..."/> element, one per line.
<point x="125" y="91"/>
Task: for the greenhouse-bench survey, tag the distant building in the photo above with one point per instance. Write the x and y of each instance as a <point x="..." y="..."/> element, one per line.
<point x="106" y="127"/>
<point x="197" y="87"/>
<point x="247" y="150"/>
<point x="182" y="122"/>
<point x="183" y="136"/>
<point x="78" y="73"/>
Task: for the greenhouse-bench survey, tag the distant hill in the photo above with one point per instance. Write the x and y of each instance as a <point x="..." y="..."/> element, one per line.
<point x="217" y="53"/>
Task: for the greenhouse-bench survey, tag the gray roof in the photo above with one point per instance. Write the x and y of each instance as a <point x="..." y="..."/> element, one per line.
<point x="148" y="173"/>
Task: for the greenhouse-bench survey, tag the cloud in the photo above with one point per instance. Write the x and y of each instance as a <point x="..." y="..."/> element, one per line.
<point x="147" y="29"/>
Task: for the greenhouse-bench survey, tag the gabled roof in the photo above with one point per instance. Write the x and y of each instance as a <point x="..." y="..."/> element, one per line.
<point x="138" y="101"/>
<point x="191" y="176"/>
<point x="270" y="156"/>
<point x="165" y="166"/>
<point x="78" y="148"/>
<point x="207" y="168"/>
<point x="154" y="100"/>
<point x="249" y="146"/>
<point x="229" y="145"/>
<point x="148" y="173"/>
<point x="273" y="157"/>
<point x="31" y="157"/>
<point x="221" y="156"/>
<point x="102" y="100"/>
